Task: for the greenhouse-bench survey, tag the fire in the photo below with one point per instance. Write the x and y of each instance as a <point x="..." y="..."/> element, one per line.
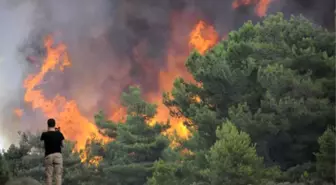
<point x="74" y="126"/>
<point x="95" y="160"/>
<point x="18" y="112"/>
<point x="261" y="6"/>
<point x="78" y="128"/>
<point x="118" y="115"/>
<point x="203" y="37"/>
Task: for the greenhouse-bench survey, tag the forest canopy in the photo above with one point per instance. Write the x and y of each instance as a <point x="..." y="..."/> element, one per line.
<point x="264" y="114"/>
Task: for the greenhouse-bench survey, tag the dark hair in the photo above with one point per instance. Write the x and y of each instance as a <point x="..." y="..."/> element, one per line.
<point x="51" y="123"/>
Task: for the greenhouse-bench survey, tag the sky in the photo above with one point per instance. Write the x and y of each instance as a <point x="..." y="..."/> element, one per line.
<point x="15" y="27"/>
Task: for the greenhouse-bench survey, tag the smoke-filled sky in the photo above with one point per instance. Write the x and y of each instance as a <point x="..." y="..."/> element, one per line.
<point x="112" y="44"/>
<point x="15" y="27"/>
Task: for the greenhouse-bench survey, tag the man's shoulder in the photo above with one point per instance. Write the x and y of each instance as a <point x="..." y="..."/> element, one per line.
<point x="43" y="136"/>
<point x="45" y="133"/>
<point x="50" y="133"/>
<point x="61" y="134"/>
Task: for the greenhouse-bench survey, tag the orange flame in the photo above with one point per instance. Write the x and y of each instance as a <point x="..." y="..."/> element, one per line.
<point x="261" y="6"/>
<point x="203" y="37"/>
<point x="95" y="160"/>
<point x="78" y="128"/>
<point x="18" y="112"/>
<point x="74" y="126"/>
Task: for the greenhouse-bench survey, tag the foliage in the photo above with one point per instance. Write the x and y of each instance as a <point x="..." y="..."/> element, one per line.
<point x="27" y="159"/>
<point x="275" y="80"/>
<point x="326" y="155"/>
<point x="234" y="160"/>
<point x="137" y="145"/>
<point x="24" y="180"/>
<point x="4" y="170"/>
<point x="162" y="172"/>
<point x="231" y="160"/>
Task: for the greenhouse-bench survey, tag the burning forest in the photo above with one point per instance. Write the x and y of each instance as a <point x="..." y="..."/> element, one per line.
<point x="170" y="91"/>
<point x="79" y="59"/>
<point x="155" y="74"/>
<point x="79" y="128"/>
<point x="54" y="61"/>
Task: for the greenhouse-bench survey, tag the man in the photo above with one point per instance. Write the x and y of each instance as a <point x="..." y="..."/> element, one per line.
<point x="53" y="142"/>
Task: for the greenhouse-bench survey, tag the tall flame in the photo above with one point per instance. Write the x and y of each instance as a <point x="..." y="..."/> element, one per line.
<point x="203" y="37"/>
<point x="74" y="126"/>
<point x="78" y="128"/>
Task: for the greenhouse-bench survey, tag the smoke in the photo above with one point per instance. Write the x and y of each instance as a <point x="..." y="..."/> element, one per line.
<point x="83" y="25"/>
<point x="319" y="11"/>
<point x="15" y="26"/>
<point x="111" y="43"/>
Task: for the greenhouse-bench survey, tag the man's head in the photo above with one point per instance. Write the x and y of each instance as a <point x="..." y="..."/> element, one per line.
<point x="51" y="123"/>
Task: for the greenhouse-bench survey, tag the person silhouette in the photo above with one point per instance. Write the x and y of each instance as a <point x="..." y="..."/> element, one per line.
<point x="53" y="160"/>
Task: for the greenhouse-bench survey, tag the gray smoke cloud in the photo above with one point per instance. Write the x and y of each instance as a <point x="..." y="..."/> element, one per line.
<point x="15" y="27"/>
<point x="101" y="37"/>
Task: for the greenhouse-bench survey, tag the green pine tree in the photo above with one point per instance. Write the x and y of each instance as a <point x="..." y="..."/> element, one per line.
<point x="233" y="160"/>
<point x="4" y="170"/>
<point x="128" y="160"/>
<point x="275" y="80"/>
<point x="326" y="155"/>
<point x="165" y="174"/>
<point x="26" y="160"/>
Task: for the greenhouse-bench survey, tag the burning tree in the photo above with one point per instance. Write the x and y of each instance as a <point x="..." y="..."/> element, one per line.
<point x="272" y="84"/>
<point x="276" y="82"/>
<point x="129" y="158"/>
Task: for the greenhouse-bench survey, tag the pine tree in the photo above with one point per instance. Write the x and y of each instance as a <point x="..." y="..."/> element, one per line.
<point x="233" y="160"/>
<point x="4" y="170"/>
<point x="26" y="160"/>
<point x="165" y="174"/>
<point x="275" y="80"/>
<point x="326" y="155"/>
<point x="128" y="160"/>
